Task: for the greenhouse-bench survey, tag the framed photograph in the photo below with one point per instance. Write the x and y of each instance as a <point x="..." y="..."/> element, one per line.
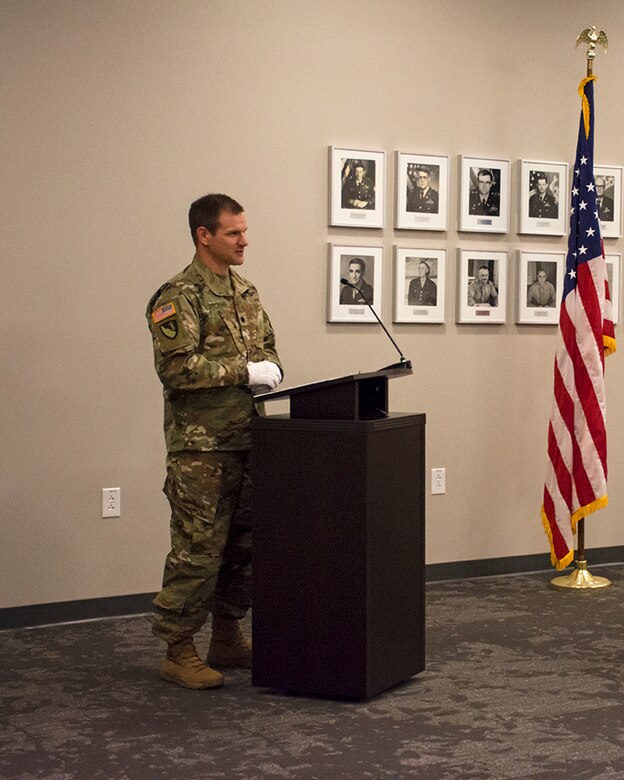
<point x="360" y="268"/>
<point x="357" y="186"/>
<point x="482" y="287"/>
<point x="419" y="284"/>
<point x="540" y="287"/>
<point x="543" y="198"/>
<point x="613" y="274"/>
<point x="608" y="180"/>
<point x="422" y="191"/>
<point x="484" y="195"/>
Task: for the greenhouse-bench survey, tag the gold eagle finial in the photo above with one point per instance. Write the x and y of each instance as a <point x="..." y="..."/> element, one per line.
<point x="593" y="37"/>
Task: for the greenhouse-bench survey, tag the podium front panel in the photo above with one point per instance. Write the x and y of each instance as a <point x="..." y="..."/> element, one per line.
<point x="338" y="554"/>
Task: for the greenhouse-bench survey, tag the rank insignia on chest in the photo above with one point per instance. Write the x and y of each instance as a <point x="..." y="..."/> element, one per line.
<point x="164" y="311"/>
<point x="169" y="329"/>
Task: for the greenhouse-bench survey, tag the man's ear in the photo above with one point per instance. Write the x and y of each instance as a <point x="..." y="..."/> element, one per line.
<point x="203" y="235"/>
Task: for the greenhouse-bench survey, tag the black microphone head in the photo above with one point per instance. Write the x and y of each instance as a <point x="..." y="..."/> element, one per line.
<point x="344" y="281"/>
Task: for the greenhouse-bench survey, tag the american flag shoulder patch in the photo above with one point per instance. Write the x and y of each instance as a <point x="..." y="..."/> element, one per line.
<point x="162" y="312"/>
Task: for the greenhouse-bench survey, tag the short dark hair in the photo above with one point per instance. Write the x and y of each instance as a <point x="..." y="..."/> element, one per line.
<point x="541" y="175"/>
<point x="486" y="172"/>
<point x="205" y="212"/>
<point x="360" y="262"/>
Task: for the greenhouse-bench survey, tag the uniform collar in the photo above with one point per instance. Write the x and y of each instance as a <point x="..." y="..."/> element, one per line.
<point x="233" y="284"/>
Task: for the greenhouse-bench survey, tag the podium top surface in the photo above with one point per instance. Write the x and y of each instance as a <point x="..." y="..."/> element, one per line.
<point x="394" y="370"/>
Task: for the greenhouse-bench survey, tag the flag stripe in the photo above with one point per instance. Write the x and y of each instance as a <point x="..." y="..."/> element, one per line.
<point x="563" y="478"/>
<point x="560" y="545"/>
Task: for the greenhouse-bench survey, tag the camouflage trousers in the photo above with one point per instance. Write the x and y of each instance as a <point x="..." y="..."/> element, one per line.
<point x="209" y="566"/>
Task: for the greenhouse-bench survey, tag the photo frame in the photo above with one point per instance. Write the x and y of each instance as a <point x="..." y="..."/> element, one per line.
<point x="357" y="187"/>
<point x="419" y="285"/>
<point x="422" y="187"/>
<point x="362" y="266"/>
<point x="613" y="274"/>
<point x="543" y="197"/>
<point x="482" y="287"/>
<point x="484" y="194"/>
<point x="609" y="197"/>
<point x="540" y="287"/>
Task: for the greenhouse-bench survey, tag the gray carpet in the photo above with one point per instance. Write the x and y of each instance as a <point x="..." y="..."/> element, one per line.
<point x="522" y="681"/>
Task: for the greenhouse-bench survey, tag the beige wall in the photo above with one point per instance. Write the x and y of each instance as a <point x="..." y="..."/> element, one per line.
<point x="117" y="114"/>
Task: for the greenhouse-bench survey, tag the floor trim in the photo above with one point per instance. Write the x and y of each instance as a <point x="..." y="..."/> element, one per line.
<point x="37" y="615"/>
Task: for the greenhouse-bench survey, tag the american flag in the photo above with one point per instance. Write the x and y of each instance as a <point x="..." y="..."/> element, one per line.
<point x="576" y="479"/>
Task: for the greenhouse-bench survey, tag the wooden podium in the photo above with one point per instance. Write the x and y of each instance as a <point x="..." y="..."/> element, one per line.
<point x="338" y="556"/>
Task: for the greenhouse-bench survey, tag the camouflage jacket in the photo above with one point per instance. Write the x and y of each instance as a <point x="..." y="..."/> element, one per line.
<point x="205" y="329"/>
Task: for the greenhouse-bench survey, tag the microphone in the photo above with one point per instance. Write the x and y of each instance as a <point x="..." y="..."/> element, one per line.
<point x="363" y="297"/>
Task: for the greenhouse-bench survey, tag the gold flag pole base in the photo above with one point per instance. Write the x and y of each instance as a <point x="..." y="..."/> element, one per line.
<point x="580" y="579"/>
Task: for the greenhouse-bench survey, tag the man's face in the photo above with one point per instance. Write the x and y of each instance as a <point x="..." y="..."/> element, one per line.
<point x="541" y="278"/>
<point x="484" y="275"/>
<point x="484" y="182"/>
<point x="227" y="246"/>
<point x="359" y="173"/>
<point x="422" y="270"/>
<point x="542" y="185"/>
<point x="422" y="180"/>
<point x="355" y="273"/>
<point x="599" y="187"/>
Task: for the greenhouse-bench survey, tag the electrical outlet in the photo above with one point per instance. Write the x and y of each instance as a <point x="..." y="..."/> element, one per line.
<point x="111" y="502"/>
<point x="438" y="481"/>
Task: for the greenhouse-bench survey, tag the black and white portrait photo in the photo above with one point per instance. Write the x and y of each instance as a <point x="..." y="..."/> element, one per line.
<point x="356" y="187"/>
<point x="358" y="184"/>
<point x="354" y="283"/>
<point x="482" y="286"/>
<point x="544" y="191"/>
<point x="422" y="188"/>
<point x="608" y="182"/>
<point x="355" y="270"/>
<point x="420" y="277"/>
<point x="542" y="287"/>
<point x="613" y="276"/>
<point x="605" y="197"/>
<point x="419" y="280"/>
<point x="484" y="192"/>
<point x="482" y="289"/>
<point x="484" y="195"/>
<point x="422" y="185"/>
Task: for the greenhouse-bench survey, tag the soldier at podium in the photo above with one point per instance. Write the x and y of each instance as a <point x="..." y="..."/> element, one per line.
<point x="213" y="344"/>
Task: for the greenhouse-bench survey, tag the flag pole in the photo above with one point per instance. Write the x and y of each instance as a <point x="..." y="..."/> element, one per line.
<point x="581" y="578"/>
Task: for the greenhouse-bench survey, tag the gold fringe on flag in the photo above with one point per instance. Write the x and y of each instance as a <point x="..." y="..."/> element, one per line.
<point x="585" y="102"/>
<point x="609" y="345"/>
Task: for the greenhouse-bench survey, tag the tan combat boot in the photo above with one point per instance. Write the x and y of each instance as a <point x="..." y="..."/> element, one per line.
<point x="184" y="667"/>
<point x="228" y="646"/>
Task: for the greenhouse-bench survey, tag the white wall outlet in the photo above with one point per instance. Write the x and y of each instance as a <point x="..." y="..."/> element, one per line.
<point x="111" y="502"/>
<point x="438" y="481"/>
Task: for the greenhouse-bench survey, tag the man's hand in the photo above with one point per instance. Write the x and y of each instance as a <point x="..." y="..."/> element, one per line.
<point x="264" y="374"/>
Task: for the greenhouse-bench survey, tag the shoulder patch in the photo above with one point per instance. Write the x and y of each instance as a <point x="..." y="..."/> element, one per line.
<point x="170" y="329"/>
<point x="171" y="323"/>
<point x="164" y="311"/>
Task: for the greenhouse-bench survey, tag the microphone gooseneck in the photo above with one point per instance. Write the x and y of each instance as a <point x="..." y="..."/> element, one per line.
<point x="367" y="302"/>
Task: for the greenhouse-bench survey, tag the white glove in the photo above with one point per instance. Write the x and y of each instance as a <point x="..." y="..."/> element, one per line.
<point x="264" y="374"/>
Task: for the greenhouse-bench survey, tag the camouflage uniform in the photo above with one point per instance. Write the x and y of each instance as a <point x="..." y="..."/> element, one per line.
<point x="205" y="329"/>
